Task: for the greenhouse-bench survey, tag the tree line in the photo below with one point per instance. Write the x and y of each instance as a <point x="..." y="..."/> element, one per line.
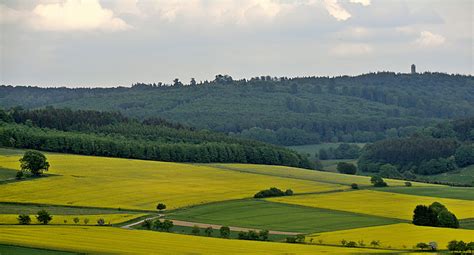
<point x="132" y="139"/>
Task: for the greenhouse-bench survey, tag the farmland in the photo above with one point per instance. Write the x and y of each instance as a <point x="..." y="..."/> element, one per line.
<point x="118" y="190"/>
<point x="276" y="216"/>
<point x="397" y="236"/>
<point x="111" y="182"/>
<point x="115" y="240"/>
<point x="378" y="203"/>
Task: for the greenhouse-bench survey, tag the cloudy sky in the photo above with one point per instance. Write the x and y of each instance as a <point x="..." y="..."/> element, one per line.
<point x="119" y="42"/>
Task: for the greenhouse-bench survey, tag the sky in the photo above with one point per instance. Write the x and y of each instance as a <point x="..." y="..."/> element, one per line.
<point x="90" y="43"/>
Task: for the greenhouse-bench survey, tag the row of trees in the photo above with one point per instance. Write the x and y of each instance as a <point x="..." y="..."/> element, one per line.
<point x="21" y="136"/>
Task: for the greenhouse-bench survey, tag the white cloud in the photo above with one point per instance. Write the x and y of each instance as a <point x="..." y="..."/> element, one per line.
<point x="336" y="10"/>
<point x="350" y="49"/>
<point x="75" y="15"/>
<point x="428" y="39"/>
<point x="362" y="2"/>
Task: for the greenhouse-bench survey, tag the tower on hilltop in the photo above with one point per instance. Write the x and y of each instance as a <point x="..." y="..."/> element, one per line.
<point x="413" y="69"/>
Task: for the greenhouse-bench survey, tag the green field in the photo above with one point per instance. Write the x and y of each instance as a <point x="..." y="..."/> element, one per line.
<point x="262" y="214"/>
<point x="466" y="193"/>
<point x="312" y="149"/>
<point x="6" y="174"/>
<point x="462" y="176"/>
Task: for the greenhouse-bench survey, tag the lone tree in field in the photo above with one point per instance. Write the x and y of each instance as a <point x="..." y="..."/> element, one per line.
<point x="35" y="162"/>
<point x="160" y="207"/>
<point x="44" y="217"/>
<point x="377" y="181"/>
<point x="24" y="219"/>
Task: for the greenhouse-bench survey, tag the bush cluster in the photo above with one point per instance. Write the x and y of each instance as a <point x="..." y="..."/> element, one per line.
<point x="273" y="192"/>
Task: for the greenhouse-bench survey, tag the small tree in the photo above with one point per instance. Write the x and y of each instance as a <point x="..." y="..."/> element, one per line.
<point x="44" y="217"/>
<point x="252" y="235"/>
<point x="34" y="162"/>
<point x="196" y="230"/>
<point x="377" y="181"/>
<point x="346" y="168"/>
<point x="86" y="221"/>
<point x="224" y="232"/>
<point x="375" y="243"/>
<point x="422" y="246"/>
<point x="354" y="186"/>
<point x="76" y="220"/>
<point x="343" y="242"/>
<point x="408" y="184"/>
<point x="24" y="219"/>
<point x="65" y="221"/>
<point x="452" y="245"/>
<point x="101" y="222"/>
<point x="208" y="231"/>
<point x="167" y="225"/>
<point x="288" y="192"/>
<point x="433" y="246"/>
<point x="160" y="207"/>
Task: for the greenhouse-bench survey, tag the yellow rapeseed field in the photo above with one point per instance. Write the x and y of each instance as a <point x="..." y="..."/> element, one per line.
<point x="139" y="184"/>
<point x="378" y="203"/>
<point x="398" y="236"/>
<point x="291" y="172"/>
<point x="115" y="240"/>
<point x="59" y="219"/>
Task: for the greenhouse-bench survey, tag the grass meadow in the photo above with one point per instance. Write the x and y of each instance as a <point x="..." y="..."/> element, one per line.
<point x="262" y="214"/>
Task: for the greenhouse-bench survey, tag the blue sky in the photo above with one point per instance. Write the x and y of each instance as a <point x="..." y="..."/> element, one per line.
<point x="110" y="43"/>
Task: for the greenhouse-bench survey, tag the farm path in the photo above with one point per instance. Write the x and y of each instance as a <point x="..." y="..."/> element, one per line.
<point x="205" y="225"/>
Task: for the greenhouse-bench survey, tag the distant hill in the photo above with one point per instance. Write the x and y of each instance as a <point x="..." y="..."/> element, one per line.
<point x="284" y="111"/>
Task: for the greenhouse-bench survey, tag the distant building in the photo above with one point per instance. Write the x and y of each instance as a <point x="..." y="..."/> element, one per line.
<point x="413" y="69"/>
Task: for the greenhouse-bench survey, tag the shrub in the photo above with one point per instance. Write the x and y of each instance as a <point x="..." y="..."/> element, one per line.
<point x="44" y="217"/>
<point x="76" y="220"/>
<point x="351" y="244"/>
<point x="242" y="235"/>
<point x="422" y="246"/>
<point x="65" y="221"/>
<point x="24" y="219"/>
<point x="375" y="243"/>
<point x="408" y="184"/>
<point x="346" y="168"/>
<point x="19" y="175"/>
<point x="224" y="232"/>
<point x="86" y="221"/>
<point x="377" y="181"/>
<point x="354" y="186"/>
<point x="196" y="230"/>
<point x="291" y="239"/>
<point x="273" y="192"/>
<point x="208" y="231"/>
<point x="263" y="234"/>
<point x="147" y="224"/>
<point x="101" y="222"/>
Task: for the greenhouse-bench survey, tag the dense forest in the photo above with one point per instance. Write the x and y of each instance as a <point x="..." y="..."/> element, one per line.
<point x="433" y="150"/>
<point x="283" y="111"/>
<point x="90" y="132"/>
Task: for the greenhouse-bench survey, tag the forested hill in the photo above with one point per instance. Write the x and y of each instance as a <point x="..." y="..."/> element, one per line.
<point x="282" y="111"/>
